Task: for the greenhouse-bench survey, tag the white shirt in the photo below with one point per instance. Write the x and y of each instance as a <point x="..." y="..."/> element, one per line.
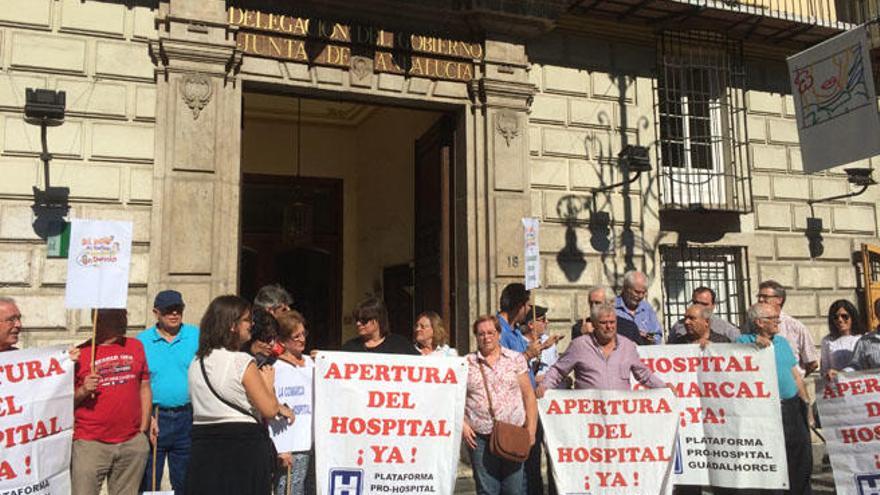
<point x="444" y="351"/>
<point x="837" y="353"/>
<point x="225" y="370"/>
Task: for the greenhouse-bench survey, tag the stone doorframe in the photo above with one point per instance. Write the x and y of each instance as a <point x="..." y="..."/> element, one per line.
<point x="195" y="233"/>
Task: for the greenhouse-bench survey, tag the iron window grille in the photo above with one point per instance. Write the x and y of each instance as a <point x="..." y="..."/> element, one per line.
<point x="719" y="268"/>
<point x="701" y="120"/>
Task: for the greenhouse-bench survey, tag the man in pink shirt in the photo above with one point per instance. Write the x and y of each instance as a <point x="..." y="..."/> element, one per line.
<point x="599" y="359"/>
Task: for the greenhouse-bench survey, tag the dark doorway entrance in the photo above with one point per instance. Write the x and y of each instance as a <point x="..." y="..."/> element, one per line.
<point x="395" y="167"/>
<point x="292" y="235"/>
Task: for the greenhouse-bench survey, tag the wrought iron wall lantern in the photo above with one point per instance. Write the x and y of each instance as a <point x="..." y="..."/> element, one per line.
<point x="859" y="177"/>
<point x="633" y="161"/>
<point x="45" y="108"/>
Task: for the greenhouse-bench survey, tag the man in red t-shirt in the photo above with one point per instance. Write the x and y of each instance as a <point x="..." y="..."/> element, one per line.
<point x="111" y="410"/>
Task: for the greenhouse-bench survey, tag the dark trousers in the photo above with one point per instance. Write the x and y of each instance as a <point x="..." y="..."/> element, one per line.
<point x="175" y="429"/>
<point x="798" y="446"/>
<point x="533" y="484"/>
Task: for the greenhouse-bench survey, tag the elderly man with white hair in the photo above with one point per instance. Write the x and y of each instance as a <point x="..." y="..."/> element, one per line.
<point x="632" y="305"/>
<point x="601" y="294"/>
<point x="10" y="324"/>
<point x="765" y="322"/>
<point x="598" y="358"/>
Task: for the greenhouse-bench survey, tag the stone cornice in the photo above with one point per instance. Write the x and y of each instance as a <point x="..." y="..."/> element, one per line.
<point x="503" y="94"/>
<point x="517" y="22"/>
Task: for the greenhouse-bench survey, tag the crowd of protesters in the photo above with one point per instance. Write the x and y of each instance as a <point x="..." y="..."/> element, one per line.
<point x="196" y="399"/>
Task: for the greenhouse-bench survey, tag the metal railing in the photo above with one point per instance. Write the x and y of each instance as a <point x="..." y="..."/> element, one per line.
<point x="721" y="269"/>
<point x="700" y="108"/>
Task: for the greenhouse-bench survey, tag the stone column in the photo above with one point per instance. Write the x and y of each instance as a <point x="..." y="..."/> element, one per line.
<point x="502" y="96"/>
<point x="196" y="180"/>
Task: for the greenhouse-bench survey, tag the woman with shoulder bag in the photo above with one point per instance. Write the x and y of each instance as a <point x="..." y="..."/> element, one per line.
<point x="231" y="449"/>
<point x="501" y="413"/>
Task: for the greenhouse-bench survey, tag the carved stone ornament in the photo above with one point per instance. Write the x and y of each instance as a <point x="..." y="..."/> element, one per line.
<point x="196" y="91"/>
<point x="361" y="67"/>
<point x="507" y="125"/>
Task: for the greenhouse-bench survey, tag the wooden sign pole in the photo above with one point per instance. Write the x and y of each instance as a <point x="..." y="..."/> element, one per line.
<point x="94" y="336"/>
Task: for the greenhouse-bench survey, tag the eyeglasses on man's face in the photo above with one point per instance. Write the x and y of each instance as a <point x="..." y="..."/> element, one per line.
<point x="12" y="319"/>
<point x="764" y="297"/>
<point x="841" y="316"/>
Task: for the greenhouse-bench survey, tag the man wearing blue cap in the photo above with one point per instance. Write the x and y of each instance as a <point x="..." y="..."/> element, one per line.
<point x="170" y="346"/>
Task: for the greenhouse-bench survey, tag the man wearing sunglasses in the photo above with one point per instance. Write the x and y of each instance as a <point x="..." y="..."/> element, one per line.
<point x="170" y="346"/>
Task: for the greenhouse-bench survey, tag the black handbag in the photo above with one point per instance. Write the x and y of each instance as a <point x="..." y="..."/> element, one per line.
<point x="270" y="445"/>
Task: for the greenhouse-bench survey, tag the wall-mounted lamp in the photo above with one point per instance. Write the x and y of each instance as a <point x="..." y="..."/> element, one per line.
<point x="860" y="177"/>
<point x="45" y="108"/>
<point x="633" y="160"/>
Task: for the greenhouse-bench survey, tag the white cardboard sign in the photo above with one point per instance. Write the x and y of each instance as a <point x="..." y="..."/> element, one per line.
<point x="98" y="264"/>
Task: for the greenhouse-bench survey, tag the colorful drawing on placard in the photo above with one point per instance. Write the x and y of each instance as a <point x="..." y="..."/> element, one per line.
<point x="832" y="87"/>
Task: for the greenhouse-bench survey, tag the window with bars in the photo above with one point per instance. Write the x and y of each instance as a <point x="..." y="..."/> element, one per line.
<point x="721" y="269"/>
<point x="703" y="149"/>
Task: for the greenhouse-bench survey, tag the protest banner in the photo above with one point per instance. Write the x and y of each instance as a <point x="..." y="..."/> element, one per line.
<point x="98" y="264"/>
<point x="36" y="421"/>
<point x="531" y="253"/>
<point x="387" y="423"/>
<point x="610" y="441"/>
<point x="730" y="431"/>
<point x="849" y="408"/>
<point x="293" y="387"/>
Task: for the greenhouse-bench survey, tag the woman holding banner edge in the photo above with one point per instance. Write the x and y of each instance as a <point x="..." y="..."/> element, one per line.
<point x="501" y="376"/>
<point x="292" y="335"/>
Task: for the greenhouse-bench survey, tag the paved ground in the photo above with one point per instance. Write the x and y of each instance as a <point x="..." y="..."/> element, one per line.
<point x="823" y="481"/>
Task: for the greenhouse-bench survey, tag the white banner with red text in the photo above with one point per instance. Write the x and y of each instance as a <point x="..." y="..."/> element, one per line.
<point x="849" y="408"/>
<point x="36" y="421"/>
<point x="610" y="442"/>
<point x="388" y="423"/>
<point x="730" y="431"/>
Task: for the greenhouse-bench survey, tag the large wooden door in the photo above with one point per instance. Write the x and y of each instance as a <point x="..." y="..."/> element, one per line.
<point x="433" y="244"/>
<point x="292" y="235"/>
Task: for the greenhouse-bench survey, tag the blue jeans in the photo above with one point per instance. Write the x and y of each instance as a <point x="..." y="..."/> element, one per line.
<point x="175" y="429"/>
<point x="299" y="474"/>
<point x="492" y="474"/>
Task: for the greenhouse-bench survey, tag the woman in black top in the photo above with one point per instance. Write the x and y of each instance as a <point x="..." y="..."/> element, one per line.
<point x="371" y="319"/>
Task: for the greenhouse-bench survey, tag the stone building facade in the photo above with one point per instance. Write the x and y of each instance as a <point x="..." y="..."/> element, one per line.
<point x="157" y="96"/>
